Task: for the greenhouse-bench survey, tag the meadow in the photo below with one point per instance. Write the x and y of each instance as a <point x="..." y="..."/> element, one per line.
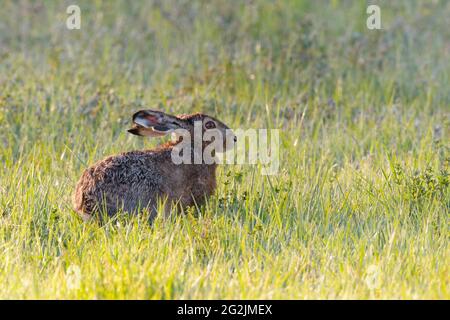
<point x="360" y="205"/>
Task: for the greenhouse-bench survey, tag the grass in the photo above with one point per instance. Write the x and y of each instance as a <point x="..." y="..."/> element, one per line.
<point x="359" y="208"/>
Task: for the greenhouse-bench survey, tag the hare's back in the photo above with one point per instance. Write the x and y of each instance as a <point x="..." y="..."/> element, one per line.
<point x="130" y="168"/>
<point x="130" y="179"/>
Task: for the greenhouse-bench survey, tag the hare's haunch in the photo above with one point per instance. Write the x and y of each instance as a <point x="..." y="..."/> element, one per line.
<point x="137" y="180"/>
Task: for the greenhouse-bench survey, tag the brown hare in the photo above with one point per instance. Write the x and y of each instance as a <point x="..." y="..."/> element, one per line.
<point x="135" y="180"/>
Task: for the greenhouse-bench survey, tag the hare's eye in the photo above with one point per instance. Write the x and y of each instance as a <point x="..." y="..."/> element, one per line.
<point x="210" y="125"/>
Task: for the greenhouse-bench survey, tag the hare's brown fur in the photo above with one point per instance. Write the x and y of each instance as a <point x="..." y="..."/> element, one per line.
<point x="136" y="180"/>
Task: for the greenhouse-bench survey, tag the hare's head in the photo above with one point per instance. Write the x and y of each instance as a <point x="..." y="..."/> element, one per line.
<point x="196" y="126"/>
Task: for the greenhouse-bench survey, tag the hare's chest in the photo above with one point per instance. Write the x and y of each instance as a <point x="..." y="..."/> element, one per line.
<point x="203" y="188"/>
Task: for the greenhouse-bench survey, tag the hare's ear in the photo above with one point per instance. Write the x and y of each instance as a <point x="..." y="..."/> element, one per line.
<point x="149" y="132"/>
<point x="153" y="123"/>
